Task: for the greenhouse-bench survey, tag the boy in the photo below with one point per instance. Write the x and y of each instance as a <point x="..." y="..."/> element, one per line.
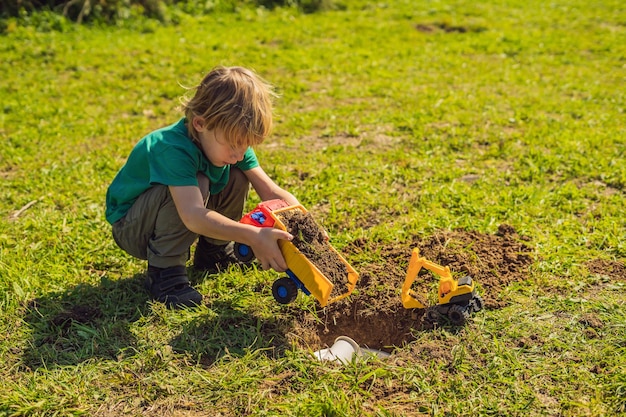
<point x="192" y="178"/>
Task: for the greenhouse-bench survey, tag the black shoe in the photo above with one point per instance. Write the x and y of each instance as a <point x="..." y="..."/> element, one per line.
<point x="214" y="258"/>
<point x="171" y="287"/>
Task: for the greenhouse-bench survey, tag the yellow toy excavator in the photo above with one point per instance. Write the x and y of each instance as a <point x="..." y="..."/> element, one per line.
<point x="457" y="298"/>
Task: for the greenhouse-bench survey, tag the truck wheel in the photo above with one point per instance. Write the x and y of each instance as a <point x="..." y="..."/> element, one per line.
<point x="458" y="315"/>
<point x="477" y="303"/>
<point x="431" y="315"/>
<point x="284" y="290"/>
<point x="243" y="252"/>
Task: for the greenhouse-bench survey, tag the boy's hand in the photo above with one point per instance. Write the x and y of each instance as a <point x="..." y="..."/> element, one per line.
<point x="266" y="248"/>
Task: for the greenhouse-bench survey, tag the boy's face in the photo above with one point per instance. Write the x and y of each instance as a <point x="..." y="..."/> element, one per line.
<point x="216" y="148"/>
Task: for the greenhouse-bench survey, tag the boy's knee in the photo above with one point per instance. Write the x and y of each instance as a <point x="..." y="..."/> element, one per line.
<point x="239" y="179"/>
<point x="238" y="184"/>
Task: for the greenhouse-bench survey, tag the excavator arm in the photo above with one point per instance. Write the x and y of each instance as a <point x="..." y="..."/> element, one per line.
<point x="446" y="283"/>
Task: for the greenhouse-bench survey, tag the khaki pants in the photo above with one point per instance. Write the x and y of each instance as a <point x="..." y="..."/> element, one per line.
<point x="153" y="230"/>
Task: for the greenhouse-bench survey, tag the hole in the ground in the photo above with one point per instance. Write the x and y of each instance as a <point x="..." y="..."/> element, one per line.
<point x="380" y="330"/>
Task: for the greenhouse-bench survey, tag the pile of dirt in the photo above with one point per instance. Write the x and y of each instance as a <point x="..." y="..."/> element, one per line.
<point x="374" y="316"/>
<point x="612" y="270"/>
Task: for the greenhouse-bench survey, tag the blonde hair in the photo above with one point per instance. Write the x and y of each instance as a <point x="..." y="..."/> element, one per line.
<point x="234" y="100"/>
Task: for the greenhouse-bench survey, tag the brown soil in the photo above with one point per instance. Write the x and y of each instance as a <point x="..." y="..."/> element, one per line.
<point x="374" y="316"/>
<point x="312" y="242"/>
<point x="613" y="270"/>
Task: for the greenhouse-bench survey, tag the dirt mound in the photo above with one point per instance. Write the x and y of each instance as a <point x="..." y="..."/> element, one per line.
<point x="613" y="270"/>
<point x="374" y="316"/>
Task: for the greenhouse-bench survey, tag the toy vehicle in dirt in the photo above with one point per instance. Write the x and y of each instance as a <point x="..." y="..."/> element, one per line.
<point x="457" y="298"/>
<point x="302" y="273"/>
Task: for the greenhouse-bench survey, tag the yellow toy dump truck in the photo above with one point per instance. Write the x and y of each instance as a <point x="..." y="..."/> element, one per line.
<point x="457" y="298"/>
<point x="302" y="273"/>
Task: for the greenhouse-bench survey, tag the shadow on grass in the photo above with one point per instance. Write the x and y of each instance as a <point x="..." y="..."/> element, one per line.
<point x="229" y="330"/>
<point x="84" y="322"/>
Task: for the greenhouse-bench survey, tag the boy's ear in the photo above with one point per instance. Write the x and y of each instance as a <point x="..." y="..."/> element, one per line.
<point x="198" y="123"/>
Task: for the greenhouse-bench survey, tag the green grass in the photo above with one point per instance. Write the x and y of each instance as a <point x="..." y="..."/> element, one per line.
<point x="386" y="110"/>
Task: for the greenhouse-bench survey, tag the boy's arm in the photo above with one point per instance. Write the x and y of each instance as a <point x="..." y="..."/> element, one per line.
<point x="200" y="220"/>
<point x="266" y="188"/>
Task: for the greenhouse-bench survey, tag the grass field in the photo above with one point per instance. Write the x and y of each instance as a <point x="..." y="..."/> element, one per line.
<point x="397" y="122"/>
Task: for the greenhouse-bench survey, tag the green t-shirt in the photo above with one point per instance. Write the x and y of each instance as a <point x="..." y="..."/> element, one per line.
<point x="169" y="157"/>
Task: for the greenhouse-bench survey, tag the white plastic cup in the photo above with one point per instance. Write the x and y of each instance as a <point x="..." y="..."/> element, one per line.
<point x="343" y="350"/>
